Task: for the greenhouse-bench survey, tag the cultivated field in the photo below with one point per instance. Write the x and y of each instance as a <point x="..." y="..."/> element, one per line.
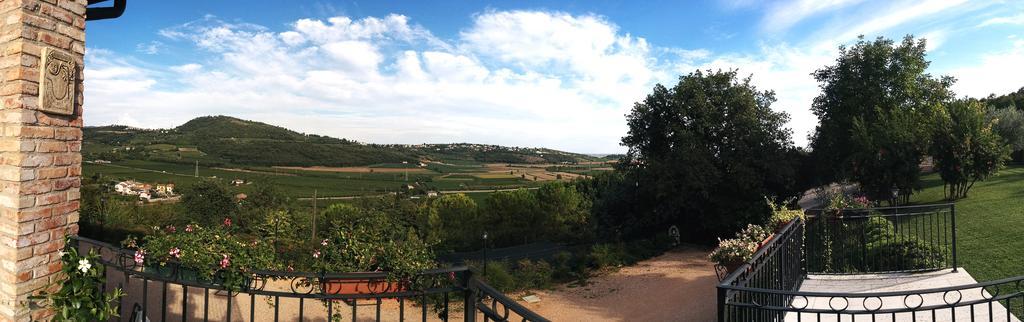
<point x="337" y="182"/>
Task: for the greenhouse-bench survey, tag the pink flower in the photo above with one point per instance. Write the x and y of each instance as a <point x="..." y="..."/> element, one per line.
<point x="171" y="229"/>
<point x="140" y="256"/>
<point x="225" y="262"/>
<point x="316" y="253"/>
<point x="227" y="222"/>
<point x="188" y="228"/>
<point x="324" y="242"/>
<point x="175" y="252"/>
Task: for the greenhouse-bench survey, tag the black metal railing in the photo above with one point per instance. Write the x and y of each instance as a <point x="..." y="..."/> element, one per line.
<point x="990" y="301"/>
<point x="778" y="265"/>
<point x="881" y="240"/>
<point x="171" y="293"/>
<point x="878" y="240"/>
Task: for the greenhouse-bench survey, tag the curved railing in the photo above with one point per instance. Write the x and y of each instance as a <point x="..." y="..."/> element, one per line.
<point x="857" y="241"/>
<point x="170" y="293"/>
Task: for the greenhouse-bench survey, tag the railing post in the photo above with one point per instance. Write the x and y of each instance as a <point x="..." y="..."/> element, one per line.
<point x="469" y="297"/>
<point x="952" y="213"/>
<point x="721" y="304"/>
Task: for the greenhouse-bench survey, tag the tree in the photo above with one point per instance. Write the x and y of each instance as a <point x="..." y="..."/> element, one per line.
<point x="888" y="152"/>
<point x="208" y="202"/>
<point x="871" y="81"/>
<point x="1009" y="124"/>
<point x="704" y="153"/>
<point x="457" y="221"/>
<point x="564" y="211"/>
<point x="965" y="148"/>
<point x="512" y="217"/>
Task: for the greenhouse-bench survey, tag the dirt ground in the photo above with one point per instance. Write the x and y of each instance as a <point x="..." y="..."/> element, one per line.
<point x="676" y="286"/>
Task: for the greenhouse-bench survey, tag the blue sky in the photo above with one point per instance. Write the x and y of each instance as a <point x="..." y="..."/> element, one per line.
<point x="520" y="73"/>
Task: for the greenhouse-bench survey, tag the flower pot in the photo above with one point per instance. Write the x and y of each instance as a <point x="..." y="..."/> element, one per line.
<point x="732" y="266"/>
<point x="764" y="242"/>
<point x="186" y="274"/>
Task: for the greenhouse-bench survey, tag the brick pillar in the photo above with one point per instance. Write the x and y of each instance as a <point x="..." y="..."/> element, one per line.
<point x="40" y="144"/>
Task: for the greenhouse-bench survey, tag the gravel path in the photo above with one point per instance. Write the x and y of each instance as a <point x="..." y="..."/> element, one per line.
<point x="676" y="286"/>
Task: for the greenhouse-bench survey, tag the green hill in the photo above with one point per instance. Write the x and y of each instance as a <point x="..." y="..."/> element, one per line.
<point x="225" y="140"/>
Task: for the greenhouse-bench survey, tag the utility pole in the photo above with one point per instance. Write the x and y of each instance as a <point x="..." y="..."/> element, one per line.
<point x="314" y="214"/>
<point x="197" y="169"/>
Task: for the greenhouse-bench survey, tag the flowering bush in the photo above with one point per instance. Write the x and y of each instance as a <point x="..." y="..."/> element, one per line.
<point x="81" y="296"/>
<point x="371" y="241"/>
<point x="212" y="253"/>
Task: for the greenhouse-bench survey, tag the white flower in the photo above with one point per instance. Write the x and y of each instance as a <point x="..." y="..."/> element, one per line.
<point x="60" y="253"/>
<point x="84" y="265"/>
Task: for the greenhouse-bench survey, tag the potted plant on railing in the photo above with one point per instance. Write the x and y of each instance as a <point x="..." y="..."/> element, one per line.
<point x="203" y="254"/>
<point x="782" y="215"/>
<point x="369" y="241"/>
<point x="732" y="253"/>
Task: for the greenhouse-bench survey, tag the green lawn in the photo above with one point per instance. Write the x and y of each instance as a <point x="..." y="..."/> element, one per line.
<point x="990" y="223"/>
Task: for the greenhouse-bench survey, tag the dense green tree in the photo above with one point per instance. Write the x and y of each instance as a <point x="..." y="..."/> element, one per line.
<point x="511" y="218"/>
<point x="869" y="82"/>
<point x="965" y="148"/>
<point x="456" y="220"/>
<point x="1009" y="124"/>
<point x="704" y="154"/>
<point x="888" y="152"/>
<point x="1011" y="100"/>
<point x="565" y="210"/>
<point x="208" y="202"/>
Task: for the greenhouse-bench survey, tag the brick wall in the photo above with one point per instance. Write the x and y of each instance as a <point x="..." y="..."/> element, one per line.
<point x="40" y="159"/>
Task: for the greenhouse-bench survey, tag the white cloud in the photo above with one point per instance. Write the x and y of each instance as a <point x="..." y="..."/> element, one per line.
<point x="150" y="48"/>
<point x="521" y="78"/>
<point x="997" y="73"/>
<point x="785" y="14"/>
<point x="187" y="68"/>
<point x="387" y="80"/>
<point x="1008" y="20"/>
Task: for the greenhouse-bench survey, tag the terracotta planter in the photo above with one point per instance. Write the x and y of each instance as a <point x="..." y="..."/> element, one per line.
<point x="334" y="286"/>
<point x="732" y="266"/>
<point x="764" y="242"/>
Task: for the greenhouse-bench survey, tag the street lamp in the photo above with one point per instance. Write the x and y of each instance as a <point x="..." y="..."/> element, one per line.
<point x="896" y="197"/>
<point x="485" y="253"/>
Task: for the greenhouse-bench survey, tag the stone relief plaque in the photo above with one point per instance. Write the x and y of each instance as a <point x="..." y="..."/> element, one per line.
<point x="57" y="81"/>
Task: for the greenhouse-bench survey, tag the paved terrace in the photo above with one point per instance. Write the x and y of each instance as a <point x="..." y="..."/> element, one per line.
<point x="898" y="282"/>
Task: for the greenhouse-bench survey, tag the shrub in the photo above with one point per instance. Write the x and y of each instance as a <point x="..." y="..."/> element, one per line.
<point x="498" y="275"/>
<point x="905" y="254"/>
<point x="213" y="254"/>
<point x="533" y="274"/>
<point x="80" y="296"/>
<point x="607" y="255"/>
<point x="372" y="241"/>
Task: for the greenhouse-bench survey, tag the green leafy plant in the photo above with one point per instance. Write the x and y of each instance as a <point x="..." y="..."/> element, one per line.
<point x="81" y="296"/>
<point x="781" y="215"/>
<point x="213" y="254"/>
<point x="369" y="240"/>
